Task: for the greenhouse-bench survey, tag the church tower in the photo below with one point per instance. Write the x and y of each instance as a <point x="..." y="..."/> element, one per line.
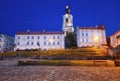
<point x="67" y="22"/>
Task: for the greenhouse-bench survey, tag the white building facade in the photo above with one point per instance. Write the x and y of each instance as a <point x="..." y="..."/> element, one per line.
<point x="91" y="36"/>
<point x="6" y="43"/>
<point x="115" y="39"/>
<point x="67" y="22"/>
<point x="39" y="40"/>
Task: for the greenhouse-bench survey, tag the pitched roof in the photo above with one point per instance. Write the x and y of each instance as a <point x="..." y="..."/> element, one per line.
<point x="38" y="33"/>
<point x="115" y="33"/>
<point x="100" y="27"/>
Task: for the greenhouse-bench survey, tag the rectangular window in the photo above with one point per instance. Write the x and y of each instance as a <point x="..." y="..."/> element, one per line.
<point x="27" y="37"/>
<point x="53" y="43"/>
<point x="38" y="43"/>
<point x="18" y="37"/>
<point x="82" y="34"/>
<point x="53" y="37"/>
<point x="32" y="43"/>
<point x="86" y="34"/>
<point x="58" y="43"/>
<point x="38" y="37"/>
<point x="86" y="40"/>
<point x="82" y="40"/>
<point x="58" y="37"/>
<point x="27" y="43"/>
<point x="44" y="43"/>
<point x="44" y="37"/>
<point x="32" y="37"/>
<point x="49" y="43"/>
<point x="18" y="43"/>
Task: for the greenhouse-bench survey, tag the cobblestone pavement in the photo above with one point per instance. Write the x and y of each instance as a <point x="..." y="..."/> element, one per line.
<point x="58" y="73"/>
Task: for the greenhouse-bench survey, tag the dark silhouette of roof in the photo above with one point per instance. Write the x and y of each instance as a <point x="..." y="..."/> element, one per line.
<point x="100" y="27"/>
<point x="37" y="33"/>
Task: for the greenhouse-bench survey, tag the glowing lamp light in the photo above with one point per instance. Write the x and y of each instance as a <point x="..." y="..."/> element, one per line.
<point x="96" y="38"/>
<point x="51" y="40"/>
<point x="67" y="7"/>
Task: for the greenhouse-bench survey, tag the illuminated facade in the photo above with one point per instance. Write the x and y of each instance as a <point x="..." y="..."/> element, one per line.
<point x="39" y="40"/>
<point x="68" y="22"/>
<point x="115" y="39"/>
<point x="6" y="43"/>
<point x="91" y="36"/>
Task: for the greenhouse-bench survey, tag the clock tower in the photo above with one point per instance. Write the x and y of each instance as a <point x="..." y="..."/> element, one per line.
<point x="67" y="22"/>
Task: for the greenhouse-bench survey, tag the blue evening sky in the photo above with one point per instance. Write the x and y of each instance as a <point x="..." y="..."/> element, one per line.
<point x="36" y="15"/>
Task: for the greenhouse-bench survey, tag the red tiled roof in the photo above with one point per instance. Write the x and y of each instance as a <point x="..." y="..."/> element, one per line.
<point x="37" y="33"/>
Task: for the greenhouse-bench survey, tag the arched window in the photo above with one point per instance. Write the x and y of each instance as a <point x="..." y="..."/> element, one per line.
<point x="66" y="20"/>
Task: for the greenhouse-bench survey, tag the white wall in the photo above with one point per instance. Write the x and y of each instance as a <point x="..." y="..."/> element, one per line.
<point x="68" y="26"/>
<point x="85" y="37"/>
<point x="6" y="43"/>
<point x="51" y="42"/>
<point x="114" y="41"/>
